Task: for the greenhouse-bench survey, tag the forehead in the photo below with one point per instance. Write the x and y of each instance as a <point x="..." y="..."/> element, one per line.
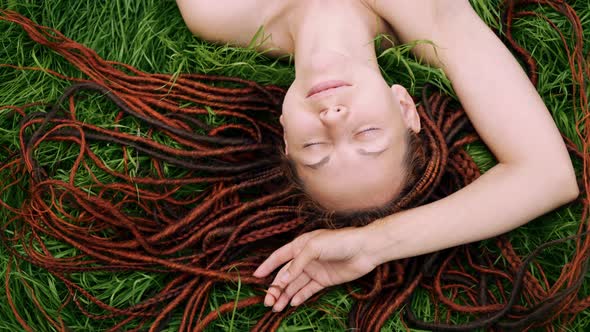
<point x="355" y="183"/>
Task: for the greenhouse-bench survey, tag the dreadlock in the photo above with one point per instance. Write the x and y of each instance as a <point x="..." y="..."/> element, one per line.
<point x="245" y="203"/>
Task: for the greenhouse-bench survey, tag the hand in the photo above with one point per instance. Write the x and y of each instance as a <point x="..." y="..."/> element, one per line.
<point x="316" y="260"/>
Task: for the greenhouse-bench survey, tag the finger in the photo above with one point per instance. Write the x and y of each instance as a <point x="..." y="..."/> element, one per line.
<point x="276" y="259"/>
<point x="275" y="290"/>
<point x="291" y="290"/>
<point x="284" y="254"/>
<point x="298" y="264"/>
<point x="306" y="292"/>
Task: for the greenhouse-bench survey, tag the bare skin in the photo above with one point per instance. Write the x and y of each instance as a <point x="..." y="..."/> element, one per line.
<point x="533" y="176"/>
<point x="331" y="135"/>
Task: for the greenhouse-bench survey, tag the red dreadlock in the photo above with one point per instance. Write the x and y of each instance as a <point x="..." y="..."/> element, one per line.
<point x="153" y="220"/>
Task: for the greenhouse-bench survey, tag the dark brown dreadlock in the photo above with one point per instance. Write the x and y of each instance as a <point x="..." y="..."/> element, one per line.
<point x="150" y="220"/>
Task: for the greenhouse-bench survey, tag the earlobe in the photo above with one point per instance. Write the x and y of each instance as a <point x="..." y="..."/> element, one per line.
<point x="282" y="121"/>
<point x="286" y="146"/>
<point x="408" y="109"/>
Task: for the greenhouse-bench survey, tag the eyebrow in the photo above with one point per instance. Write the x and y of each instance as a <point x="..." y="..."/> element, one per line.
<point x="360" y="151"/>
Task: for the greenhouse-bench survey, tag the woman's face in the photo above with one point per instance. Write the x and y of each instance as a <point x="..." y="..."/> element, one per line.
<point x="345" y="132"/>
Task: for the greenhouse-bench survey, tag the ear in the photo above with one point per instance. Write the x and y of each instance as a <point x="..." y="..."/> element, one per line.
<point x="408" y="109"/>
<point x="282" y="121"/>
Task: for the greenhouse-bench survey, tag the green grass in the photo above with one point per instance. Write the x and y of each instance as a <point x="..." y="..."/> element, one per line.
<point x="151" y="36"/>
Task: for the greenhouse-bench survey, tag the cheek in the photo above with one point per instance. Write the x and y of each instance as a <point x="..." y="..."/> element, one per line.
<point x="293" y="126"/>
<point x="287" y="110"/>
<point x="300" y="126"/>
<point x="291" y="99"/>
<point x="294" y="116"/>
<point x="383" y="106"/>
<point x="290" y="123"/>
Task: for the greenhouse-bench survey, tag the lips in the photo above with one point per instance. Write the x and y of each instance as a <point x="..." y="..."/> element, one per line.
<point x="327" y="85"/>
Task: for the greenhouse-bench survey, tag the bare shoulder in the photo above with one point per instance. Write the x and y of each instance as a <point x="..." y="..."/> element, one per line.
<point x="427" y="10"/>
<point x="221" y="20"/>
<point x="422" y="19"/>
<point x="411" y="18"/>
<point x="229" y="21"/>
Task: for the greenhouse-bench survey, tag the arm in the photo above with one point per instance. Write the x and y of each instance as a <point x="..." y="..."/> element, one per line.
<point x="223" y="20"/>
<point x="534" y="173"/>
<point x="230" y="21"/>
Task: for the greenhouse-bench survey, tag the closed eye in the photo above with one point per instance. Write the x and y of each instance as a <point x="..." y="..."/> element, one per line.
<point x="367" y="131"/>
<point x="310" y="144"/>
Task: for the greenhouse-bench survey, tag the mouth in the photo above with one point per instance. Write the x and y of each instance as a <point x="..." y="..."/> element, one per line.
<point x="325" y="86"/>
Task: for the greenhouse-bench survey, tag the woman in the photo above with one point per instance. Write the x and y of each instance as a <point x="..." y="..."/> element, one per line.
<point x="346" y="131"/>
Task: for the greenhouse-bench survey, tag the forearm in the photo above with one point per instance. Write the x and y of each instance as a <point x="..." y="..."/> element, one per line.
<point x="534" y="174"/>
<point x="502" y="199"/>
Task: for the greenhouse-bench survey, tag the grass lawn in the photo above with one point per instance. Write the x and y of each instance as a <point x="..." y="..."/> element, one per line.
<point x="151" y="36"/>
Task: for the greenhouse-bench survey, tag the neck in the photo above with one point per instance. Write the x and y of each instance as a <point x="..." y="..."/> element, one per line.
<point x="325" y="30"/>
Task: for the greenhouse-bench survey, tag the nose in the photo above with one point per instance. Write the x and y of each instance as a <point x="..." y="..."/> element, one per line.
<point x="334" y="115"/>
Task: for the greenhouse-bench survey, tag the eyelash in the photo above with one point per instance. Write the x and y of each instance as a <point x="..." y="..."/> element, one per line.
<point x="310" y="144"/>
<point x="368" y="129"/>
<point x="361" y="132"/>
